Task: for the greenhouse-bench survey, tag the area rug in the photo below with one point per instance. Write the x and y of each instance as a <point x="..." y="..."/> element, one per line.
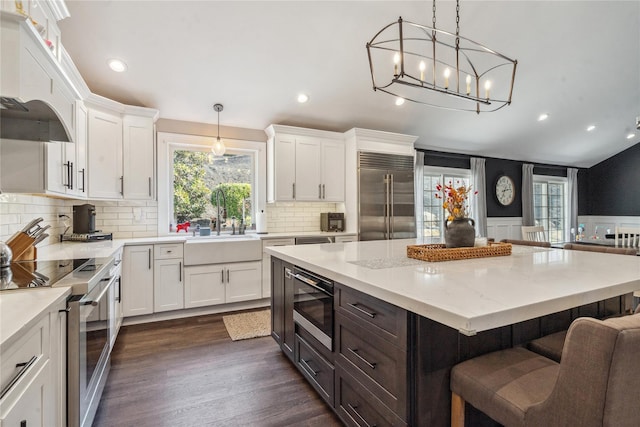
<point x="248" y="325"/>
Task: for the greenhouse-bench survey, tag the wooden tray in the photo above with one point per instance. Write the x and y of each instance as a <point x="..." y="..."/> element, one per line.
<point x="438" y="252"/>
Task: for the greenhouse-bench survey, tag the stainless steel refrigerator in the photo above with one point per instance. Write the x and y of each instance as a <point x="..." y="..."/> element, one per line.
<point x="385" y="197"/>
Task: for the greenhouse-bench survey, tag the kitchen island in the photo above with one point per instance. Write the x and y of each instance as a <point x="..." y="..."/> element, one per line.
<point x="455" y="310"/>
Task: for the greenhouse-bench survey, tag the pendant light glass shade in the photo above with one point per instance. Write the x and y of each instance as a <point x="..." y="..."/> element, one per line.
<point x="218" y="147"/>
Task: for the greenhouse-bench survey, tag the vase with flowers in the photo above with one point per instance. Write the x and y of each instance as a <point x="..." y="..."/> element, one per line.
<point x="459" y="230"/>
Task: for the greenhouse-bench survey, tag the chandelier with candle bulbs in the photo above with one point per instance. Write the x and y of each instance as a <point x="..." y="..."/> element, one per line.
<point x="431" y="66"/>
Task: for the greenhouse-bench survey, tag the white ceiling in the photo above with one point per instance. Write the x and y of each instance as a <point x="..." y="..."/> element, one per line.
<point x="577" y="60"/>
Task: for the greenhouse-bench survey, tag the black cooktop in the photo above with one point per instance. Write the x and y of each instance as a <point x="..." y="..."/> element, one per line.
<point x="37" y="274"/>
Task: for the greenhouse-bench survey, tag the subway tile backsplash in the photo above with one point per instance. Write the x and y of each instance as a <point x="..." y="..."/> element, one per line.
<point x="284" y="217"/>
<point x="125" y="219"/>
<point x="132" y="219"/>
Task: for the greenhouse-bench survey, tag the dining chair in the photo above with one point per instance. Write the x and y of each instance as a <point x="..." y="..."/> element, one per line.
<point x="594" y="385"/>
<point x="534" y="233"/>
<point x="627" y="237"/>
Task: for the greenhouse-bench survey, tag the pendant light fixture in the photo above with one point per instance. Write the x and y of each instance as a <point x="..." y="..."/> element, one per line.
<point x="434" y="67"/>
<point x="218" y="147"/>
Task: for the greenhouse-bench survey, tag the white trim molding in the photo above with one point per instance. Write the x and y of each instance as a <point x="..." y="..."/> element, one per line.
<point x="504" y="228"/>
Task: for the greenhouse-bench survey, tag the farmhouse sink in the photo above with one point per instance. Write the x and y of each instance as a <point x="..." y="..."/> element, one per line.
<point x="221" y="249"/>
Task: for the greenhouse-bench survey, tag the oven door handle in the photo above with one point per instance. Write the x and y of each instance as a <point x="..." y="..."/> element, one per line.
<point x="310" y="282"/>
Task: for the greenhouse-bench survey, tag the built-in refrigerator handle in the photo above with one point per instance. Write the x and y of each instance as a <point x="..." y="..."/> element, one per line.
<point x="386" y="206"/>
<point x="391" y="216"/>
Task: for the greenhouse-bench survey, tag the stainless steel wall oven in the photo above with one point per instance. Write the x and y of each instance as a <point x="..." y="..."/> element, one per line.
<point x="89" y="325"/>
<point x="313" y="305"/>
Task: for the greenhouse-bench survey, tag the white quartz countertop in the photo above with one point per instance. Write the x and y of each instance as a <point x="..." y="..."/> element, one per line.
<point x="21" y="308"/>
<point x="471" y="295"/>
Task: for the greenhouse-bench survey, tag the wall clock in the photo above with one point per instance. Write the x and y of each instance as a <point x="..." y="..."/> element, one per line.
<point x="505" y="190"/>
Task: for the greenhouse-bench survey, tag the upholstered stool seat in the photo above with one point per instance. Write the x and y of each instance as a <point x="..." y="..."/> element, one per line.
<point x="505" y="383"/>
<point x="594" y="385"/>
<point x="549" y="345"/>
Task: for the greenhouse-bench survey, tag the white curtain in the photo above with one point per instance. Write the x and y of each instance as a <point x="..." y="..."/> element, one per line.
<point x="527" y="195"/>
<point x="479" y="201"/>
<point x="419" y="192"/>
<point x="572" y="181"/>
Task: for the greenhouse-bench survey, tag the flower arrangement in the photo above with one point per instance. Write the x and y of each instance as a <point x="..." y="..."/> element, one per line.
<point x="454" y="199"/>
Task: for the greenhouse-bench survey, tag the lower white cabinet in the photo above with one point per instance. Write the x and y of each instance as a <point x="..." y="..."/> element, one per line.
<point x="34" y="369"/>
<point x="222" y="283"/>
<point x="137" y="280"/>
<point x="168" y="286"/>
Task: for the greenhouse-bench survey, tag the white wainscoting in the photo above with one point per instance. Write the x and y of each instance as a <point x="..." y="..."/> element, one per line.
<point x="605" y="223"/>
<point x="504" y="228"/>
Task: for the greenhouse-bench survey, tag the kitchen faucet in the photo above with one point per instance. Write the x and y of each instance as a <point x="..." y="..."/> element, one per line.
<point x="224" y="209"/>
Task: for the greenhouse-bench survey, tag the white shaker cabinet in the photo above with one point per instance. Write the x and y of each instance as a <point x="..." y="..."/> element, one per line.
<point x="168" y="284"/>
<point x="222" y="283"/>
<point x="305" y="165"/>
<point x="138" y="157"/>
<point x="204" y="285"/>
<point x="105" y="155"/>
<point x="137" y="280"/>
<point x="80" y="167"/>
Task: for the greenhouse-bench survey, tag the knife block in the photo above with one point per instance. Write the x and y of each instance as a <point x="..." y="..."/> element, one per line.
<point x="22" y="247"/>
<point x="30" y="254"/>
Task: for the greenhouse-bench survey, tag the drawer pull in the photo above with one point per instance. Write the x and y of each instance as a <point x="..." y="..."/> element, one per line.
<point x="353" y="409"/>
<point x="308" y="368"/>
<point x="361" y="310"/>
<point x="23" y="368"/>
<point x="355" y="353"/>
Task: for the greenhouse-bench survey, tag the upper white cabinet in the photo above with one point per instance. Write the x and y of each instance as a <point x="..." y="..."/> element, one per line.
<point x="105" y="155"/>
<point x="120" y="148"/>
<point x="304" y="165"/>
<point x="138" y="157"/>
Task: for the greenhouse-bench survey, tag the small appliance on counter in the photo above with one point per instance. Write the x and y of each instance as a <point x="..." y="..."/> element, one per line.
<point x="84" y="226"/>
<point x="332" y="221"/>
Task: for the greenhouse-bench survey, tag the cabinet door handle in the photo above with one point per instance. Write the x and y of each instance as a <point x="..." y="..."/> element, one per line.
<point x="149" y="186"/>
<point x="324" y="194"/>
<point x="180" y="271"/>
<point x="293" y="195"/>
<point x="355" y="352"/>
<point x="66" y="166"/>
<point x="307" y="367"/>
<point x="122" y="186"/>
<point x="23" y="368"/>
<point x="319" y="191"/>
<point x="83" y="173"/>
<point x="149" y="258"/>
<point x="71" y="175"/>
<point x="363" y="311"/>
<point x="222" y="277"/>
<point x="23" y="423"/>
<point x="353" y="408"/>
<point x="227" y="275"/>
<point x="119" y="289"/>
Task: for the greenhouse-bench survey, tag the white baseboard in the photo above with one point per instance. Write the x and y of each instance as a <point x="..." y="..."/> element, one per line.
<point x="199" y="311"/>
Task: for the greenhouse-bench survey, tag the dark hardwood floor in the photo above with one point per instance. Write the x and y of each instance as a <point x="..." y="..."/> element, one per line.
<point x="188" y="372"/>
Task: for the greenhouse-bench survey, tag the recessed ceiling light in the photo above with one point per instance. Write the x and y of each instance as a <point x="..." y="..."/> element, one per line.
<point x="117" y="65"/>
<point x="631" y="135"/>
<point x="302" y="98"/>
<point x="399" y="101"/>
<point x="543" y="116"/>
<point x="591" y="128"/>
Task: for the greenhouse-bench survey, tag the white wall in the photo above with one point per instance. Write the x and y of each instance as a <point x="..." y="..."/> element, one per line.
<point x="16" y="210"/>
<point x="285" y="217"/>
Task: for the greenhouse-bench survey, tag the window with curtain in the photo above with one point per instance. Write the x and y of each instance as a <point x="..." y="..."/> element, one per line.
<point x="434" y="215"/>
<point x="550" y="204"/>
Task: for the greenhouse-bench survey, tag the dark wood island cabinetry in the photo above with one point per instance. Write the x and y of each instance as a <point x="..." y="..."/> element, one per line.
<point x="389" y="366"/>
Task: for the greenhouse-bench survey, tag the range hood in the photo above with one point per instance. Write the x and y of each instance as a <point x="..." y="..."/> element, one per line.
<point x="30" y="121"/>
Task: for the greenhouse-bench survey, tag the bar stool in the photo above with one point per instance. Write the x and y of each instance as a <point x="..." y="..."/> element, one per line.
<point x="595" y="384"/>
